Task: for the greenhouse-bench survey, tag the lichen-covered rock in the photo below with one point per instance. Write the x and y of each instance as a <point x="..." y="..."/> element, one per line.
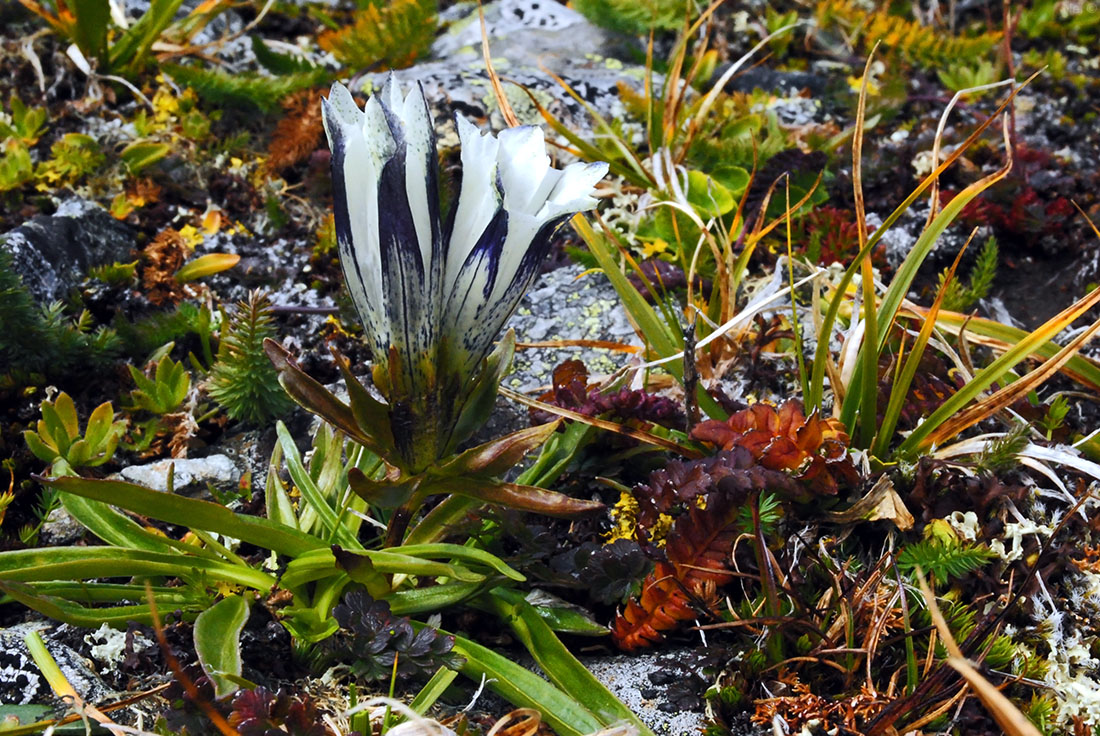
<point x="568" y="304"/>
<point x="52" y="253"/>
<point x="21" y="682"/>
<point x="530" y="41"/>
<point x="189" y="475"/>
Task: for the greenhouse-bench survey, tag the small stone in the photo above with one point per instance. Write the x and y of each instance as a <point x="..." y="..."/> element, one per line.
<point x="189" y="476"/>
<point x="60" y="529"/>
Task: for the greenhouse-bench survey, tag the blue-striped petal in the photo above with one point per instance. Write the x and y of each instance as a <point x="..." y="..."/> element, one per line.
<point x="357" y="160"/>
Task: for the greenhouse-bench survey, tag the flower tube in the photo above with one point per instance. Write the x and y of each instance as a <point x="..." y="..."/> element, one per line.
<point x="433" y="297"/>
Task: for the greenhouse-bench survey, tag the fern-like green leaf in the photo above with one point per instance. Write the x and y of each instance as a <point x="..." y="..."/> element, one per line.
<point x="1002" y="453"/>
<point x="638" y="17"/>
<point x="244" y="90"/>
<point x="928" y="46"/>
<point x="243" y="381"/>
<point x="960" y="297"/>
<point x="943" y="561"/>
<point x="384" y="36"/>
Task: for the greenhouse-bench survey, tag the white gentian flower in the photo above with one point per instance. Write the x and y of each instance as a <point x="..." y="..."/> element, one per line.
<point x="432" y="296"/>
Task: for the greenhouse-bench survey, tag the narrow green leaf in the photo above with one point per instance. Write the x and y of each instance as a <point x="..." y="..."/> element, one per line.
<point x="432" y="598"/>
<point x="207" y="265"/>
<point x="84" y="563"/>
<point x="192" y="513"/>
<point x="311" y="494"/>
<point x="60" y="608"/>
<point x="276" y="500"/>
<point x="460" y="552"/>
<point x="524" y="689"/>
<point x="558" y="663"/>
<point x="432" y="691"/>
<point x="113" y="528"/>
<point x="129" y="52"/>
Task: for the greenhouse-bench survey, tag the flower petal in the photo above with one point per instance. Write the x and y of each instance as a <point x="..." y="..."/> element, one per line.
<point x="479" y="199"/>
<point x="525" y="172"/>
<point x="408" y="234"/>
<point x="572" y="193"/>
<point x="422" y="185"/>
<point x="493" y="280"/>
<point x="356" y="165"/>
<point x="465" y="305"/>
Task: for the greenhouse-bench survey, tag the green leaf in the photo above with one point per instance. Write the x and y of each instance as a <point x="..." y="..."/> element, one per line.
<point x="192" y="513"/>
<point x="515" y="496"/>
<point x="89" y="30"/>
<point x="277" y="63"/>
<point x="59" y="608"/>
<point x="525" y="689"/>
<point x="279" y="507"/>
<point x="83" y="563"/>
<point x="139" y="155"/>
<point x="472" y="555"/>
<point x="39" y="448"/>
<point x="558" y="663"/>
<point x="207" y="265"/>
<point x="498" y="456"/>
<point x="320" y="564"/>
<point x="129" y="53"/>
<point x="248" y="89"/>
<point x="218" y="642"/>
<point x="432" y="598"/>
<point x="100" y="424"/>
<point x="113" y="528"/>
<point x="734" y="178"/>
<point x="60" y="420"/>
<point x="311" y="493"/>
<point x="707" y="196"/>
<point x="432" y="691"/>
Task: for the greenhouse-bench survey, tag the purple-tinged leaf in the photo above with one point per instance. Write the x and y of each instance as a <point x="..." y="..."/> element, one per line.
<point x="516" y="496"/>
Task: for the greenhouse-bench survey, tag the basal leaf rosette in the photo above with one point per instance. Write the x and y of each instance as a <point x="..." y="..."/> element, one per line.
<point x="814" y="449"/>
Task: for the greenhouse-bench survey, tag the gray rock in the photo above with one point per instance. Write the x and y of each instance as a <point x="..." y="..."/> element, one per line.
<point x="628" y="675"/>
<point x="60" y="529"/>
<point x="190" y="475"/>
<point x="250" y="452"/>
<point x="21" y="682"/>
<point x="773" y="80"/>
<point x="52" y="253"/>
<point x="564" y="305"/>
<point x="528" y="40"/>
<point x="522" y="31"/>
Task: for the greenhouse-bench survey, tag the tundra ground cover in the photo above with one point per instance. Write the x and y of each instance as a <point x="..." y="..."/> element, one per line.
<point x="847" y="463"/>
